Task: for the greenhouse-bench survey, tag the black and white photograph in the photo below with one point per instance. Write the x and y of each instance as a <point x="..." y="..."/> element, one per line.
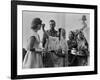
<point x="54" y="40"/>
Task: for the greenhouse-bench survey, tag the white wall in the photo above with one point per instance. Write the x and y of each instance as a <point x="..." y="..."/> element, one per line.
<point x="69" y="21"/>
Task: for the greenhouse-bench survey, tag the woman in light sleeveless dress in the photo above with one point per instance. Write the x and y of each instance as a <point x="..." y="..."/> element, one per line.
<point x="33" y="57"/>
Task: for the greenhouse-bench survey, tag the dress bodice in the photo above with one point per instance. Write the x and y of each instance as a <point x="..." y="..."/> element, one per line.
<point x="36" y="42"/>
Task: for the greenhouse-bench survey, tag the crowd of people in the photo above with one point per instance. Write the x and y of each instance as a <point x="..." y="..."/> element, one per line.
<point x="56" y="51"/>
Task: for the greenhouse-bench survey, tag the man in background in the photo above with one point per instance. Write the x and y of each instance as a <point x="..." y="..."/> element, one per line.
<point x="47" y="59"/>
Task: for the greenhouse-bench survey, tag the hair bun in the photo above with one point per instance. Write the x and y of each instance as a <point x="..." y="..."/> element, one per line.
<point x="36" y="21"/>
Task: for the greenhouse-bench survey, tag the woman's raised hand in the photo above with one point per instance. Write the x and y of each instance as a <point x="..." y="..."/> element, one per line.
<point x="43" y="25"/>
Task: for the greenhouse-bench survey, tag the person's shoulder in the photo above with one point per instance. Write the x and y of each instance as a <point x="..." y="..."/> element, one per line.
<point x="55" y="30"/>
<point x="48" y="31"/>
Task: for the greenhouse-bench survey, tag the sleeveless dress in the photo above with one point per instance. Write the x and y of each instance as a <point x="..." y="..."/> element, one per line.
<point x="33" y="59"/>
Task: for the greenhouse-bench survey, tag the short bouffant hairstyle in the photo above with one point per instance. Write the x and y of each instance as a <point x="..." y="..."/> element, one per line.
<point x="52" y="21"/>
<point x="35" y="22"/>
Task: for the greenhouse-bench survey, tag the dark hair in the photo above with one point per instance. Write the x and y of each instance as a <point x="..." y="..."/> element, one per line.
<point x="72" y="34"/>
<point x="64" y="33"/>
<point x="59" y="30"/>
<point x="81" y="35"/>
<point x="35" y="22"/>
<point x="52" y="21"/>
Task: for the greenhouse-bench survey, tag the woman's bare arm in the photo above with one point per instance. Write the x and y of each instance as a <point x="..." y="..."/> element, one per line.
<point x="43" y="25"/>
<point x="31" y="43"/>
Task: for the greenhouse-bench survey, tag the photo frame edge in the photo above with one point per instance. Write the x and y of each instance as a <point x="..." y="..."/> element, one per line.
<point x="14" y="44"/>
